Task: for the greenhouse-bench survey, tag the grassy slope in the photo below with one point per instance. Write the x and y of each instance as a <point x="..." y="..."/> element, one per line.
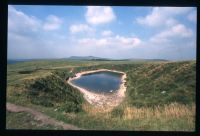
<point x="24" y="120"/>
<point x="160" y="95"/>
<point x="164" y="83"/>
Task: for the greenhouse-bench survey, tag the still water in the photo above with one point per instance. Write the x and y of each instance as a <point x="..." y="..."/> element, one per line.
<point x="104" y="81"/>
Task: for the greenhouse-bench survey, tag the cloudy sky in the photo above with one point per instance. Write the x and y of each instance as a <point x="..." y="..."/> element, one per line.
<point x="103" y="31"/>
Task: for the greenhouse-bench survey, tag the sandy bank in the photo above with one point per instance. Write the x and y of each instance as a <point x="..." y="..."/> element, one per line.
<point x="106" y="101"/>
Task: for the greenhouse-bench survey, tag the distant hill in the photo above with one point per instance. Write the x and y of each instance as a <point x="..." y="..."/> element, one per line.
<point x="107" y="59"/>
<point x="86" y="58"/>
<point x="133" y="59"/>
<point x="90" y="58"/>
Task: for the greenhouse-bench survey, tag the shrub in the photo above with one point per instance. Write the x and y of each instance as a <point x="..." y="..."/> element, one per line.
<point x="70" y="107"/>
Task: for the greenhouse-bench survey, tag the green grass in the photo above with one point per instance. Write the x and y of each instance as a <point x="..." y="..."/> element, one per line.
<point x="159" y="84"/>
<point x="53" y="91"/>
<point x="150" y="86"/>
<point x="24" y="120"/>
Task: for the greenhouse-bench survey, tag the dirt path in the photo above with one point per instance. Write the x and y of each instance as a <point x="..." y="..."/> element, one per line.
<point x="40" y="116"/>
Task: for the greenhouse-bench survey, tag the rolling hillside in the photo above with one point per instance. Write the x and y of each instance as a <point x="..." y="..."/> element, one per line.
<point x="160" y="95"/>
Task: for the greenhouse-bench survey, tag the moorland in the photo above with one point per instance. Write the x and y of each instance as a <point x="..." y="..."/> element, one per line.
<point x="159" y="96"/>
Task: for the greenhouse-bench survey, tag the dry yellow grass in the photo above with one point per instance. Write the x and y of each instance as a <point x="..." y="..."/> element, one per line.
<point x="92" y="110"/>
<point x="168" y="111"/>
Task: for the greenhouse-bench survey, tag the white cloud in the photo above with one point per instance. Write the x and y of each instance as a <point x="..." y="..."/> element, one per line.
<point x="160" y="16"/>
<point x="80" y="28"/>
<point x="106" y="33"/>
<point x="177" y="31"/>
<point x="20" y="22"/>
<point x="192" y="16"/>
<point x="99" y="15"/>
<point x="23" y="23"/>
<point x="52" y="23"/>
<point x="127" y="40"/>
<point x="93" y="41"/>
<point x="27" y="39"/>
<point x="109" y="47"/>
<point x="116" y="41"/>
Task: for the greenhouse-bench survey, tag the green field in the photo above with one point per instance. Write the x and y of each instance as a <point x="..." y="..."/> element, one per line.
<point x="160" y="95"/>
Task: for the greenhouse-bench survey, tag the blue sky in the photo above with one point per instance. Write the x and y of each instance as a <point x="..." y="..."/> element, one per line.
<point x="103" y="31"/>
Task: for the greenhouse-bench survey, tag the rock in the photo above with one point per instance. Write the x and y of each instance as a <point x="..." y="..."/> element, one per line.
<point x="163" y="92"/>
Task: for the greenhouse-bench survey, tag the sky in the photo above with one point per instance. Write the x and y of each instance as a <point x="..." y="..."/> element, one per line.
<point x="103" y="31"/>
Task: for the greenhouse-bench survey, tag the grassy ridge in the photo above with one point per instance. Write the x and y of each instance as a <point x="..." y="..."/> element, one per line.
<point x="159" y="96"/>
<point x="53" y="91"/>
<point x="159" y="84"/>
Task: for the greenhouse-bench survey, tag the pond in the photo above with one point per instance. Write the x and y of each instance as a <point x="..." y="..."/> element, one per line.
<point x="104" y="81"/>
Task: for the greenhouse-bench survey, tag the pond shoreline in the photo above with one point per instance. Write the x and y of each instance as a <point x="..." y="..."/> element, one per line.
<point x="107" y="101"/>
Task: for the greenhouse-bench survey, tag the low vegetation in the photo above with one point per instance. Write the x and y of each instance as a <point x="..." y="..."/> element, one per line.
<point x="26" y="121"/>
<point x="159" y="84"/>
<point x="160" y="94"/>
<point x="53" y="91"/>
